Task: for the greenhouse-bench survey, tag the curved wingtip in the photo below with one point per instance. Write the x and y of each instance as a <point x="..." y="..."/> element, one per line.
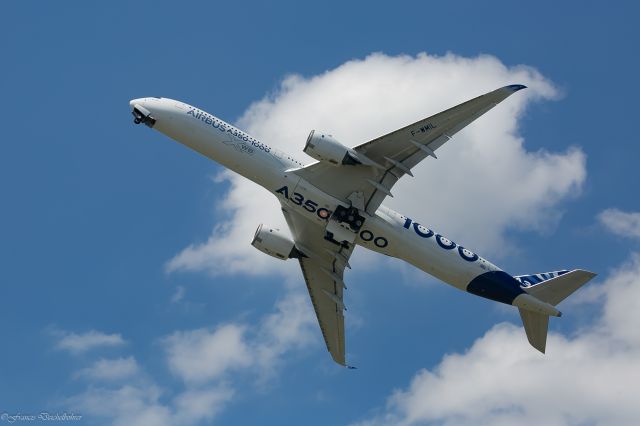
<point x="515" y="87"/>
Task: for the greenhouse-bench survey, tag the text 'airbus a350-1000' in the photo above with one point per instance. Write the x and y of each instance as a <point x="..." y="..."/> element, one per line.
<point x="335" y="204"/>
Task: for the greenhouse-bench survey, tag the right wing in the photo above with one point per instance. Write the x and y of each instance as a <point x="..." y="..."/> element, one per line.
<point x="396" y="153"/>
<point x="323" y="269"/>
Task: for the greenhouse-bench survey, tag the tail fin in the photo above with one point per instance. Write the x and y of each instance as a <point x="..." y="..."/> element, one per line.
<point x="553" y="291"/>
<point x="536" y="326"/>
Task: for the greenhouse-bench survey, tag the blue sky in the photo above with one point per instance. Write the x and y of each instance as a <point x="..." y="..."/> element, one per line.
<point x="95" y="209"/>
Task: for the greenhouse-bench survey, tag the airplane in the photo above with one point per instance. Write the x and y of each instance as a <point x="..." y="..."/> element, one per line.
<point x="335" y="204"/>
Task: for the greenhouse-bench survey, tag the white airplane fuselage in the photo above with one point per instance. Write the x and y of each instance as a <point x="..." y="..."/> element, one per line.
<point x="386" y="232"/>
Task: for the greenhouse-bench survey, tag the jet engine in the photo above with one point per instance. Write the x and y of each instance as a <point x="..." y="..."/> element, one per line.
<point x="275" y="243"/>
<point x="324" y="147"/>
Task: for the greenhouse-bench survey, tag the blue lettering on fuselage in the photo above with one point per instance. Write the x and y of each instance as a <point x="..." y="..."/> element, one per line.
<point x="309" y="205"/>
<point x="443" y="242"/>
<point x="226" y="128"/>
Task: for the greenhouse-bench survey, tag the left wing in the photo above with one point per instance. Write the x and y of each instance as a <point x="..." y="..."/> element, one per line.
<point x="393" y="155"/>
<point x="323" y="269"/>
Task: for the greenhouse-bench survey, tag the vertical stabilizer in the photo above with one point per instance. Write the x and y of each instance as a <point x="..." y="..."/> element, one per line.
<point x="536" y="326"/>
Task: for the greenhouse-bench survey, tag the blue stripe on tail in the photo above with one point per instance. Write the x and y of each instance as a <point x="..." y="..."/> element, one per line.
<point x="533" y="279"/>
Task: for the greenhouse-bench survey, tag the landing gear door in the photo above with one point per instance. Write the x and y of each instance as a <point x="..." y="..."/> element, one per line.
<point x="340" y="233"/>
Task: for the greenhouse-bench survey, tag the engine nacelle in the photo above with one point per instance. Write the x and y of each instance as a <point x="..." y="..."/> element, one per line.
<point x="274" y="243"/>
<point x="324" y="147"/>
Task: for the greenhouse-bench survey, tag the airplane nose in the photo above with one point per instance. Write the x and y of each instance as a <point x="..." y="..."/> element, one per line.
<point x="138" y="101"/>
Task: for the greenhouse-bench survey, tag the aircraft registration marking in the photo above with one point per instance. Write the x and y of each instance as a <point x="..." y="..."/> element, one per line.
<point x="423" y="129"/>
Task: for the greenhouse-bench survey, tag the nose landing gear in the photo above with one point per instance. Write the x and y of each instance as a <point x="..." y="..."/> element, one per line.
<point x="142" y="115"/>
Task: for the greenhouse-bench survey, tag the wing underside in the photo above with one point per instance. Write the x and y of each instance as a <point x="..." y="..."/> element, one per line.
<point x="326" y="297"/>
<point x="323" y="270"/>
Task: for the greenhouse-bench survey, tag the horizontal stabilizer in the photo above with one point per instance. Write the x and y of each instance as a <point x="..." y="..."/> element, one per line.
<point x="536" y="326"/>
<point x="557" y="289"/>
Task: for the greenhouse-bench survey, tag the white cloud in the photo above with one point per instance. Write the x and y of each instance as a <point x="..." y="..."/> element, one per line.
<point x="204" y="360"/>
<point x="127" y="405"/>
<point x="193" y="406"/>
<point x="142" y="404"/>
<point x="588" y="378"/>
<point x="621" y="223"/>
<point x="483" y="183"/>
<point x="110" y="369"/>
<point x="292" y="326"/>
<point x="202" y="355"/>
<point x="79" y="343"/>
